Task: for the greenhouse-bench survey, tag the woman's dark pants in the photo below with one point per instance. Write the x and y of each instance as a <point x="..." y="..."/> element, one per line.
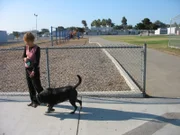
<point x="34" y="85"/>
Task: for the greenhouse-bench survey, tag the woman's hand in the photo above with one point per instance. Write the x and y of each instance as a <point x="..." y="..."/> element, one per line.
<point x="25" y="59"/>
<point x="32" y="74"/>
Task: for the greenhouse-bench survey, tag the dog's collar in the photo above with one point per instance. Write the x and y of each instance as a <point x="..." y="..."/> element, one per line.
<point x="38" y="99"/>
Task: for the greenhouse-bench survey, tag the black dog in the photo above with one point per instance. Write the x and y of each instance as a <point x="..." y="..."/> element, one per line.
<point x="57" y="95"/>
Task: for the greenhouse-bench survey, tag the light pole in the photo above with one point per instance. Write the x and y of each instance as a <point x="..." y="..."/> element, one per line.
<point x="36" y="25"/>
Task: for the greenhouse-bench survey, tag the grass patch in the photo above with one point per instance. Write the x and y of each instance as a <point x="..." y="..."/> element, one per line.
<point x="156" y="42"/>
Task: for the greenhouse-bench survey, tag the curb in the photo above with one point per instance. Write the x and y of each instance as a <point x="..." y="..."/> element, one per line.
<point x="115" y="94"/>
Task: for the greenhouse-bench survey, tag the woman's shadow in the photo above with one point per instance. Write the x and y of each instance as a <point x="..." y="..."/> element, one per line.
<point x="102" y="114"/>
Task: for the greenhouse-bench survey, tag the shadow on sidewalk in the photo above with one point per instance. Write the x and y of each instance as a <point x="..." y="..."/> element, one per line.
<point x="101" y="114"/>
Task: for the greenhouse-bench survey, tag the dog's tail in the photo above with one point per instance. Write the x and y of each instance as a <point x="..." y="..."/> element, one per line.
<point x="80" y="80"/>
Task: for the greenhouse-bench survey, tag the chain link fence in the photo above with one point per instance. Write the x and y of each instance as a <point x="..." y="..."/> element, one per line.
<point x="107" y="70"/>
<point x="174" y="33"/>
<point x="12" y="78"/>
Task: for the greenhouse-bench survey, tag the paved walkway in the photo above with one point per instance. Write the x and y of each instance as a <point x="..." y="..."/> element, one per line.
<point x="98" y="117"/>
<point x="163" y="71"/>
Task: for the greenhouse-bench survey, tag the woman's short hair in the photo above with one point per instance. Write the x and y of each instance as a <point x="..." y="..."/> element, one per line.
<point x="29" y="37"/>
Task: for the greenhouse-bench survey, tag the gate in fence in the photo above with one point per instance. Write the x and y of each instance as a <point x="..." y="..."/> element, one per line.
<point x="174" y="33"/>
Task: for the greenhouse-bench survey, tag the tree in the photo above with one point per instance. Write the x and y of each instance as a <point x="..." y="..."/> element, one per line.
<point x="60" y="28"/>
<point x="109" y="22"/>
<point x="44" y="31"/>
<point x="84" y="23"/>
<point x="76" y="29"/>
<point x="112" y="24"/>
<point x="160" y="24"/>
<point x="40" y="33"/>
<point x="174" y="25"/>
<point x="154" y="26"/>
<point x="98" y="23"/>
<point x="103" y="22"/>
<point x="118" y="27"/>
<point x="129" y="26"/>
<point x="16" y="34"/>
<point x="80" y="29"/>
<point x="71" y="28"/>
<point x="145" y="24"/>
<point x="94" y="23"/>
<point x="124" y="22"/>
<point x="146" y="21"/>
<point x="140" y="26"/>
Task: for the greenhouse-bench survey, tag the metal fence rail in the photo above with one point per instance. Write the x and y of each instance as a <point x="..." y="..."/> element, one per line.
<point x="60" y="65"/>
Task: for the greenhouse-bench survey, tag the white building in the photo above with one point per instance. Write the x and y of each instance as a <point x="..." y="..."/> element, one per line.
<point x="160" y="31"/>
<point x="101" y="29"/>
<point x="174" y="31"/>
<point x="3" y="37"/>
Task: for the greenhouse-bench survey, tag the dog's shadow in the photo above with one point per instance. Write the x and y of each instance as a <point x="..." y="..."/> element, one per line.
<point x="102" y="114"/>
<point x="64" y="115"/>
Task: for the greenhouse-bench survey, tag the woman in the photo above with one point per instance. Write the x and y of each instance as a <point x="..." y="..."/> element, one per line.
<point x="31" y="59"/>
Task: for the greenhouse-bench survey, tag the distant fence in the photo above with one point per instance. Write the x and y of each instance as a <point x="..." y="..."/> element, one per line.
<point x="59" y="36"/>
<point x="60" y="65"/>
<point x="174" y="33"/>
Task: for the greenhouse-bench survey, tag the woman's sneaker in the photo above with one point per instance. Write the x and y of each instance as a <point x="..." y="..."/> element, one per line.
<point x="30" y="104"/>
<point x="34" y="105"/>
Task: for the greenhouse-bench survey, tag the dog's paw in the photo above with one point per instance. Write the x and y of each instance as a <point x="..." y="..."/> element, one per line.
<point x="48" y="111"/>
<point x="52" y="110"/>
<point x="72" y="112"/>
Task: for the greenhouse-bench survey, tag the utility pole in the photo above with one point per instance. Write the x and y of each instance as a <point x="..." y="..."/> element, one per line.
<point x="36" y="26"/>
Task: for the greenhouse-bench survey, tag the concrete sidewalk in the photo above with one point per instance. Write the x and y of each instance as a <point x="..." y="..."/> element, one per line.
<point x="16" y="118"/>
<point x="99" y="116"/>
<point x="163" y="71"/>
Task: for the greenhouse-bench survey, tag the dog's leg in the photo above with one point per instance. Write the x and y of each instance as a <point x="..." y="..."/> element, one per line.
<point x="50" y="108"/>
<point x="73" y="103"/>
<point x="80" y="102"/>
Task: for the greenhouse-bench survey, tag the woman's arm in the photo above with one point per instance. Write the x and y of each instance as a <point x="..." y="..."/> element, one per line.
<point x="35" y="66"/>
<point x="24" y="56"/>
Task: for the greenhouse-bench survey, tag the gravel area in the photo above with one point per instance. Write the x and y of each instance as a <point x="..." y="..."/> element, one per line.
<point x="96" y="69"/>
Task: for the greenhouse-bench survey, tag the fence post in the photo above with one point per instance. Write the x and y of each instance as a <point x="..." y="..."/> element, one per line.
<point x="59" y="32"/>
<point x="47" y="67"/>
<point x="144" y="69"/>
<point x="56" y="37"/>
<point x="51" y="35"/>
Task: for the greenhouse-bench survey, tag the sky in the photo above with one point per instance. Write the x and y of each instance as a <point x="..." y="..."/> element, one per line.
<point x="18" y="15"/>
